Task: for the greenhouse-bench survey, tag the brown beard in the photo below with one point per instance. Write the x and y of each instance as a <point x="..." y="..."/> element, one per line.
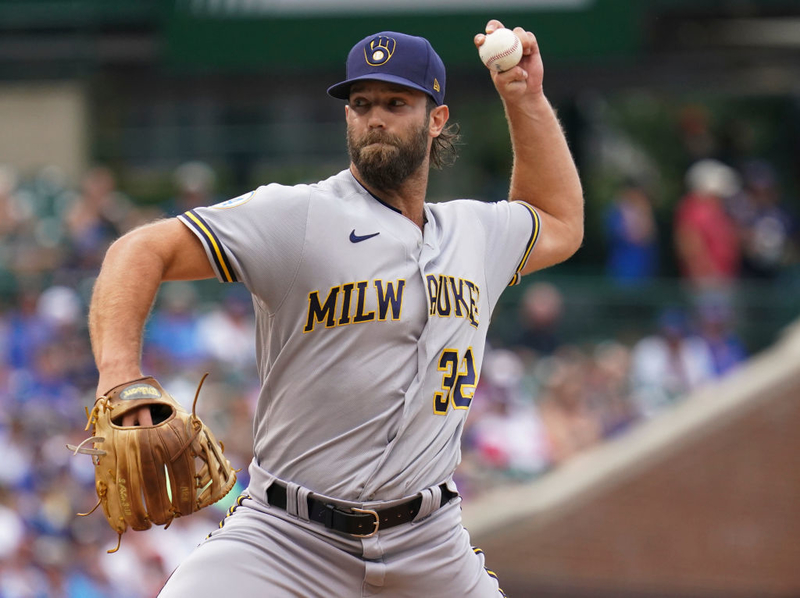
<point x="388" y="165"/>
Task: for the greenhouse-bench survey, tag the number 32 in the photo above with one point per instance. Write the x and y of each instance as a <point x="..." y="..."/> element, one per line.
<point x="458" y="384"/>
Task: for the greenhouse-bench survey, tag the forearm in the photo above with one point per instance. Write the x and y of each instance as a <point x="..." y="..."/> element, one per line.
<point x="544" y="174"/>
<point x="123" y="296"/>
<point x="132" y="271"/>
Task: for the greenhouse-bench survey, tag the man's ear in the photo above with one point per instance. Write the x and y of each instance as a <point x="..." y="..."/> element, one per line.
<point x="438" y="119"/>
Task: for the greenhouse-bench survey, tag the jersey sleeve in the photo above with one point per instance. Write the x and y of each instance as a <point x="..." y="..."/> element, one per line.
<point x="256" y="239"/>
<point x="534" y="228"/>
<point x="511" y="231"/>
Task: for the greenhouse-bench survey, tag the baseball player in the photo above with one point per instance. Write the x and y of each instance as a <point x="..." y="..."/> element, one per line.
<point x="372" y="309"/>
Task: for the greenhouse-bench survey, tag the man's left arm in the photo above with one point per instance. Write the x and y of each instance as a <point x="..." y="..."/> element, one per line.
<point x="544" y="174"/>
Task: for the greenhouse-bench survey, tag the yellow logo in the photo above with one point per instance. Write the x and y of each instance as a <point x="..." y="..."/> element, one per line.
<point x="379" y="50"/>
<point x="436" y="87"/>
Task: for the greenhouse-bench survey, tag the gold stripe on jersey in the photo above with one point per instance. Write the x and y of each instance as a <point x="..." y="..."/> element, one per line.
<point x="213" y="244"/>
<point x="537" y="225"/>
<point x="489" y="572"/>
<point x="230" y="512"/>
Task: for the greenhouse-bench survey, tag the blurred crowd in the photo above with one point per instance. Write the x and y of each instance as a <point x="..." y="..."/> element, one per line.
<point x="52" y="242"/>
<point x="730" y="224"/>
<point x="541" y="398"/>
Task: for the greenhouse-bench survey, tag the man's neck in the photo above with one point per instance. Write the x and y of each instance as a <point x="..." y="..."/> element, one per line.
<point x="409" y="198"/>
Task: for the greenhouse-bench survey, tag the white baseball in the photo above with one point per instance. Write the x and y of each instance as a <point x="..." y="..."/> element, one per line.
<point x="501" y="50"/>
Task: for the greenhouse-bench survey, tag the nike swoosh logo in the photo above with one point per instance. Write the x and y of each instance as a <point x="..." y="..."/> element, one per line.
<point x="354" y="238"/>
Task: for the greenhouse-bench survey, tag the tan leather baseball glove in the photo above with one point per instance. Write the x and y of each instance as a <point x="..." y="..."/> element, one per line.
<point x="152" y="474"/>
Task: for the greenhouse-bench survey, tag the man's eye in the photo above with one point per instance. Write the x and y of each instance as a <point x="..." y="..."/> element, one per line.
<point x="396" y="102"/>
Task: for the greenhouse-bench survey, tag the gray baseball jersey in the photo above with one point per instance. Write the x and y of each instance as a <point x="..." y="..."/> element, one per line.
<point x="370" y="331"/>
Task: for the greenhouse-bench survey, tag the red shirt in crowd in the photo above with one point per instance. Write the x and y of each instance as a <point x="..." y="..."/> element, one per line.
<point x="707" y="239"/>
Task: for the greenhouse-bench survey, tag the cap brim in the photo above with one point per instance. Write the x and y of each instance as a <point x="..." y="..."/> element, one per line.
<point x="341" y="90"/>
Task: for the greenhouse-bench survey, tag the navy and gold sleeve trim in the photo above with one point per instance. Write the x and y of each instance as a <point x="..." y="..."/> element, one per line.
<point x="214" y="248"/>
<point x="489" y="572"/>
<point x="231" y="511"/>
<point x="537" y="227"/>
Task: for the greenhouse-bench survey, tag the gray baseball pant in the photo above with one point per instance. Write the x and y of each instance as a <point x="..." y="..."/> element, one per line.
<point x="263" y="551"/>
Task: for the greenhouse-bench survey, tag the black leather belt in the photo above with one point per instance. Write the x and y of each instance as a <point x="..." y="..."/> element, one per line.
<point x="357" y="522"/>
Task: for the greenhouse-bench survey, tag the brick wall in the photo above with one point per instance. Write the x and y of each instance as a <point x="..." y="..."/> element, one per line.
<point x="717" y="516"/>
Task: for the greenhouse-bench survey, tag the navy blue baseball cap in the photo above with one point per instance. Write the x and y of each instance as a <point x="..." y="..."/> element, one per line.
<point x="397" y="58"/>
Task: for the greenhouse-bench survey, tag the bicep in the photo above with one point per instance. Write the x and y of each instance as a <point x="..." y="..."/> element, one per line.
<point x="179" y="250"/>
<point x="557" y="242"/>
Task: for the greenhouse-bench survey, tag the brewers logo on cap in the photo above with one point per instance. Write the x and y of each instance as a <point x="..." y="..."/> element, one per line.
<point x="395" y="57"/>
<point x="379" y="50"/>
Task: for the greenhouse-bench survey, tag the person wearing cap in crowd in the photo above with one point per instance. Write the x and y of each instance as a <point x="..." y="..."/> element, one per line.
<point x="707" y="242"/>
<point x="372" y="308"/>
<point x="669" y="364"/>
<point x="194" y="185"/>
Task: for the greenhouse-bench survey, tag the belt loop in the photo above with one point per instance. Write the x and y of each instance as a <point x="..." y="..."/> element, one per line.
<point x="291" y="499"/>
<point x="431" y="498"/>
<point x="269" y="482"/>
<point x="302" y="503"/>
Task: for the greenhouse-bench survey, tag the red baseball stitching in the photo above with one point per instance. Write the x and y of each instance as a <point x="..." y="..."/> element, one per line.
<point x="496" y="57"/>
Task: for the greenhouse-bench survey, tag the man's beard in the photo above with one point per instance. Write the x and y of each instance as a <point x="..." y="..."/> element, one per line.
<point x="388" y="165"/>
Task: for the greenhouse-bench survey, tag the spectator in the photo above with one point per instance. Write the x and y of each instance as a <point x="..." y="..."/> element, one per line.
<point x="768" y="229"/>
<point x="541" y="310"/>
<point x="16" y="466"/>
<point x="228" y="331"/>
<point x="727" y="349"/>
<point x="173" y="332"/>
<point x="632" y="236"/>
<point x="195" y="183"/>
<point x="12" y="528"/>
<point x="571" y="422"/>
<point x="97" y="216"/>
<point x="27" y="331"/>
<point x="609" y="387"/>
<point x="706" y="238"/>
<point x="11" y="211"/>
<point x="508" y="434"/>
<point x="669" y="364"/>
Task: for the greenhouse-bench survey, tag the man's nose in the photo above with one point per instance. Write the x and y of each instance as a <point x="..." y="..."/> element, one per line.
<point x="376" y="118"/>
